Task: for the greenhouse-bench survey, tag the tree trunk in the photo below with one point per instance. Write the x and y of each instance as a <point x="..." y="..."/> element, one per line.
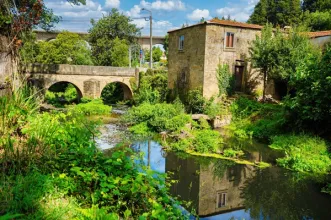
<point x="264" y="85"/>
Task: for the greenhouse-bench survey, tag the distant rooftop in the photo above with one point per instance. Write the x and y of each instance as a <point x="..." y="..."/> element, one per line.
<point x="234" y="24"/>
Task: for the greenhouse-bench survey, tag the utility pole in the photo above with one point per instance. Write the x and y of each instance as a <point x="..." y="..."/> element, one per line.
<point x="151" y="37"/>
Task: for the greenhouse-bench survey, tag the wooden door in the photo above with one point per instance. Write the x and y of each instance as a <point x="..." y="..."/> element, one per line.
<point x="239" y="72"/>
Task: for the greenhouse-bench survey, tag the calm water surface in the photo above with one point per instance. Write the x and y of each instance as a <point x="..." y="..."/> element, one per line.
<point x="221" y="189"/>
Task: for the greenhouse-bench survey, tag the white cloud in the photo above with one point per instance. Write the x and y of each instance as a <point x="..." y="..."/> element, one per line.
<point x="112" y="4"/>
<point x="240" y="12"/>
<point x="134" y="12"/>
<point x="197" y="14"/>
<point x="170" y="5"/>
<point x="160" y="28"/>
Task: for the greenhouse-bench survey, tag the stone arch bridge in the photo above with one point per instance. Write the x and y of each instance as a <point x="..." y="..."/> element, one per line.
<point x="88" y="80"/>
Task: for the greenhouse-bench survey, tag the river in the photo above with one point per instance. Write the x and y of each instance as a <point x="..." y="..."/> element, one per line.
<point x="221" y="189"/>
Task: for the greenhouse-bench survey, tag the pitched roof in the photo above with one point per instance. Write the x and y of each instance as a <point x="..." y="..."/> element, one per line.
<point x="224" y="23"/>
<point x="234" y="24"/>
<point x="319" y="34"/>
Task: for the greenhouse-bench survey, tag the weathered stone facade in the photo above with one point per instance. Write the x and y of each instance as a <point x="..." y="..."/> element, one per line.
<point x="204" y="49"/>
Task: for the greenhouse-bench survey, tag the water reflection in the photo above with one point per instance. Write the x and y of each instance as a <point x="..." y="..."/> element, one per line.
<point x="221" y="189"/>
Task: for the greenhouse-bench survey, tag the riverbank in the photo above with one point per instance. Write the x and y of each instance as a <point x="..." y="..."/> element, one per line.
<point x="51" y="168"/>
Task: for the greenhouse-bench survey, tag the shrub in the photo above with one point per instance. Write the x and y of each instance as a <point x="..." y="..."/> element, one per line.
<point x="206" y="141"/>
<point x="156" y="116"/>
<point x="251" y="118"/>
<point x="195" y="102"/>
<point x="304" y="153"/>
<point x="178" y="122"/>
<point x="95" y="107"/>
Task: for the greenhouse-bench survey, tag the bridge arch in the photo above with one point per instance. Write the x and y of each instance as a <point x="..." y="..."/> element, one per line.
<point x="61" y="86"/>
<point x="120" y="89"/>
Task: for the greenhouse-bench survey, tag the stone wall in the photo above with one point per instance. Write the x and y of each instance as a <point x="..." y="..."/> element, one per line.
<point x="186" y="67"/>
<point x="232" y="183"/>
<point x="217" y="53"/>
<point x="204" y="49"/>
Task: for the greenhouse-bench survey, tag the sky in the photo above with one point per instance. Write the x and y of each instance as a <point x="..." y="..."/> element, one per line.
<point x="167" y="14"/>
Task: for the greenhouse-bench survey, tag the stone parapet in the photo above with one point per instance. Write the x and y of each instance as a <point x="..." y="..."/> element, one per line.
<point x="64" y="69"/>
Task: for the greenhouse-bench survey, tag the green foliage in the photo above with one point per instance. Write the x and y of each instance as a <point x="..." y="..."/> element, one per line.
<point x="262" y="53"/>
<point x="156" y="53"/>
<point x="107" y="49"/>
<point x="67" y="48"/>
<point x="225" y="80"/>
<point x="316" y="5"/>
<point x="318" y="21"/>
<point x="30" y="49"/>
<point x="112" y="93"/>
<point x="153" y="87"/>
<point x="309" y="107"/>
<point x="251" y="118"/>
<point x="94" y="107"/>
<point x="58" y="99"/>
<point x="158" y="117"/>
<point x="304" y="153"/>
<point x="206" y="141"/>
<point x="282" y="13"/>
<point x="51" y="169"/>
<point x="119" y="53"/>
<point x="195" y="102"/>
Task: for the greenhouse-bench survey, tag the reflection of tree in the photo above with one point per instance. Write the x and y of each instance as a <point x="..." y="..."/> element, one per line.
<point x="275" y="194"/>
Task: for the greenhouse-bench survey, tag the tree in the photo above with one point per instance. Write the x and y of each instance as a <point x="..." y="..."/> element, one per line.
<point x="119" y="53"/>
<point x="316" y="5"/>
<point x="157" y="54"/>
<point x="277" y="12"/>
<point x="318" y="21"/>
<point x="260" y="14"/>
<point x="67" y="48"/>
<point x="20" y="16"/>
<point x="106" y="30"/>
<point x="262" y="54"/>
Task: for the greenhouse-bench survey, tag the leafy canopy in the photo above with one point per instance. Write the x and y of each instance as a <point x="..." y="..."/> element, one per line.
<point x="103" y="34"/>
<point x="67" y="48"/>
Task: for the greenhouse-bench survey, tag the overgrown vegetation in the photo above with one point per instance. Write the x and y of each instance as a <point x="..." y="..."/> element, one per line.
<point x="225" y="79"/>
<point x="304" y="153"/>
<point x="56" y="97"/>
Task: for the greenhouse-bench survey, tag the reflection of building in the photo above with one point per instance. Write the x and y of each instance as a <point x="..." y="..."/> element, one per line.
<point x="213" y="189"/>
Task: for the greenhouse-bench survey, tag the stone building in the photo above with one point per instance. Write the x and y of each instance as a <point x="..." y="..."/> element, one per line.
<point x="196" y="51"/>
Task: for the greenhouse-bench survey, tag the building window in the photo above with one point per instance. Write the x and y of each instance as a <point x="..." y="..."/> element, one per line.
<point x="181" y="42"/>
<point x="229" y="40"/>
<point x="221" y="200"/>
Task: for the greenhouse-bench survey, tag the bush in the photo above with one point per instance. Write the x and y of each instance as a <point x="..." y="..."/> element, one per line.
<point x="153" y="87"/>
<point x="206" y="141"/>
<point x="251" y="118"/>
<point x="304" y="153"/>
<point x="95" y="107"/>
<point x="156" y="116"/>
<point x="195" y="102"/>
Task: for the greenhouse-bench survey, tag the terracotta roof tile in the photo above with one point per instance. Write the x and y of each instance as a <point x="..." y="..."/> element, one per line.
<point x="234" y="24"/>
<point x="319" y="34"/>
